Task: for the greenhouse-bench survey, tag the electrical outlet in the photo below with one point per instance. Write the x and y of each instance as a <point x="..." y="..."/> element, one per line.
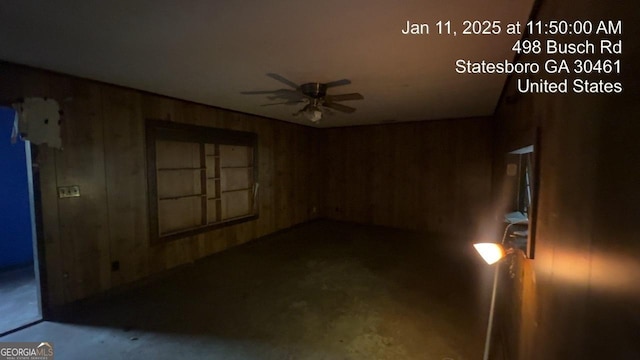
<point x="74" y="190"/>
<point x="68" y="191"/>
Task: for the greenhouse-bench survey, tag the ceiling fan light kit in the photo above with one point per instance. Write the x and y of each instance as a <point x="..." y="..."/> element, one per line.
<point x="313" y="113"/>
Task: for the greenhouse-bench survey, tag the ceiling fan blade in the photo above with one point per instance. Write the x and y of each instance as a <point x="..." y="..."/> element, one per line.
<point x="258" y="92"/>
<point x="288" y="95"/>
<point x="280" y="94"/>
<point x="283" y="80"/>
<point x="340" y="107"/>
<point x="344" y="97"/>
<point x="277" y="91"/>
<point x="338" y="83"/>
<point x="284" y="103"/>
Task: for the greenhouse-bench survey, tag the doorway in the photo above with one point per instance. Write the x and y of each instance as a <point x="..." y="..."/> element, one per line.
<point x="20" y="303"/>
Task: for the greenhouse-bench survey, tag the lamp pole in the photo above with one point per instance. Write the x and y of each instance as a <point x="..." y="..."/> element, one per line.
<point x="487" y="342"/>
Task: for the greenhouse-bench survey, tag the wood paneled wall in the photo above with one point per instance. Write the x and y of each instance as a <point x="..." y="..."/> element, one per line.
<point x="432" y="176"/>
<point x="429" y="176"/>
<point x="579" y="298"/>
<point x="103" y="139"/>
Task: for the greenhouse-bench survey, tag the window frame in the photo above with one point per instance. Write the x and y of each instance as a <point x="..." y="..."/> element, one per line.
<point x="160" y="130"/>
<point x="524" y="199"/>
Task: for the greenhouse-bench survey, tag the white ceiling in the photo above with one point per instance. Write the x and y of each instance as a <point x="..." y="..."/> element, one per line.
<point x="211" y="51"/>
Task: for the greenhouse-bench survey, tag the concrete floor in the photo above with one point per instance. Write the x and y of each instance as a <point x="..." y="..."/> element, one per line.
<point x="323" y="290"/>
<point x="18" y="298"/>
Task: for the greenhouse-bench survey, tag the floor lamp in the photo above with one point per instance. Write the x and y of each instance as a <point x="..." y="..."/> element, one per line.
<point x="492" y="253"/>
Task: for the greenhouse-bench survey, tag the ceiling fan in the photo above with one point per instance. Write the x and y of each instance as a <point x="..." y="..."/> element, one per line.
<point x="313" y="93"/>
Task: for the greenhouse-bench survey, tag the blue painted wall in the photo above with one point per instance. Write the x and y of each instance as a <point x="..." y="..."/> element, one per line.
<point x="16" y="247"/>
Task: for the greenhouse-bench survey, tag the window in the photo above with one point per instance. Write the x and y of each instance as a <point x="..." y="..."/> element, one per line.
<point x="524" y="189"/>
<point x="522" y="180"/>
<point x="521" y="162"/>
<point x="199" y="179"/>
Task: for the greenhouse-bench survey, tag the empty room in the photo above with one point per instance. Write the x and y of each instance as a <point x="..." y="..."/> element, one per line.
<point x="334" y="180"/>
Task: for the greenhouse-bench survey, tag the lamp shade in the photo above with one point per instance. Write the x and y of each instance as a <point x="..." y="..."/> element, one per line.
<point x="490" y="252"/>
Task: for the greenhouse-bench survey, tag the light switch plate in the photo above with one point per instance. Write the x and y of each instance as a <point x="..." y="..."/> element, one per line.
<point x="68" y="191"/>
